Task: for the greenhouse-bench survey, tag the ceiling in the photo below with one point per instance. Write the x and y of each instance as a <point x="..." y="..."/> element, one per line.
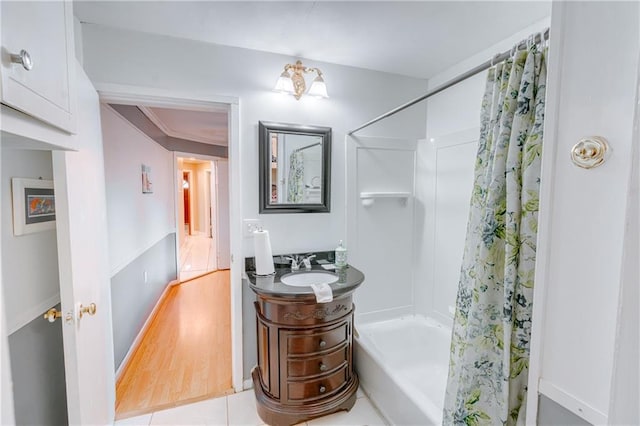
<point x="208" y="127"/>
<point x="194" y="161"/>
<point x="415" y="38"/>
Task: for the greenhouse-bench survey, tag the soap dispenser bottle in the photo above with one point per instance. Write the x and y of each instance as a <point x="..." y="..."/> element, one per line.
<point x="341" y="256"/>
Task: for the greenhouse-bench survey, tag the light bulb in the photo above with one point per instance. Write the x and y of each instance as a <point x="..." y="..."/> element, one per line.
<point x="284" y="83"/>
<point x="318" y="88"/>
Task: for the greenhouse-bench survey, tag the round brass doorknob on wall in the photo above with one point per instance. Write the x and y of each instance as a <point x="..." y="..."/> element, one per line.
<point x="90" y="310"/>
<point x="590" y="152"/>
<point x="52" y="314"/>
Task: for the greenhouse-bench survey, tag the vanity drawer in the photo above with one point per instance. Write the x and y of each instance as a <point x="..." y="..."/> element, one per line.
<point x="300" y="344"/>
<point x="318" y="388"/>
<point x="303" y="367"/>
<point x="305" y="314"/>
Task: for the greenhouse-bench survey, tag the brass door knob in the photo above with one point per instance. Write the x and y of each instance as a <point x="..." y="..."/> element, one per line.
<point x="90" y="310"/>
<point x="52" y="314"/>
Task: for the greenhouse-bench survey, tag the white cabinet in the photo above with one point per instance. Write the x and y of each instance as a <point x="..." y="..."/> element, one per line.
<point x="44" y="30"/>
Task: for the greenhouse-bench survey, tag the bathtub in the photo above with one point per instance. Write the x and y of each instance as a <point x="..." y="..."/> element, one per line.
<point x="402" y="365"/>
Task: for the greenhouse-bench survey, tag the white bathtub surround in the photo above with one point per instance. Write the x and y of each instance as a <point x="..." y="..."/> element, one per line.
<point x="402" y="365"/>
<point x="492" y="326"/>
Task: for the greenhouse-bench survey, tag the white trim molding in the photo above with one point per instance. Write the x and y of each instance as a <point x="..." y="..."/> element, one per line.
<point x="571" y="403"/>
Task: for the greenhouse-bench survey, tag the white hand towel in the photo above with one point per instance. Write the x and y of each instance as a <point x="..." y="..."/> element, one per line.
<point x="323" y="292"/>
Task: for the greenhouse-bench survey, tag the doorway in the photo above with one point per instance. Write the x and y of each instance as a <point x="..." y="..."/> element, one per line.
<point x="186" y="185"/>
<point x="202" y="210"/>
<point x="202" y="245"/>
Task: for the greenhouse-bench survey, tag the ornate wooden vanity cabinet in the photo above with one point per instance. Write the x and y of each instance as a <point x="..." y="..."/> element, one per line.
<point x="305" y="357"/>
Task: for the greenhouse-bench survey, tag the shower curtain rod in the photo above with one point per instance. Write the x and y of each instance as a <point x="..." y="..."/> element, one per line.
<point x="485" y="65"/>
<point x="308" y="146"/>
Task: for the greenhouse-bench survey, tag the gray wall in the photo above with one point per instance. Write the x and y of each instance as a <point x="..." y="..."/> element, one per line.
<point x="113" y="56"/>
<point x="552" y="414"/>
<point x="27" y="289"/>
<point x="132" y="299"/>
<point x="37" y="369"/>
<point x="35" y="346"/>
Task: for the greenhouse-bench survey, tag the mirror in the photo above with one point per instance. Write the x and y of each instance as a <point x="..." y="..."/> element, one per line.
<point x="295" y="168"/>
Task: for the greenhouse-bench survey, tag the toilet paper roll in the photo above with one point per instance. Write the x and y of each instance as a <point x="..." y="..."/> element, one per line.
<point x="263" y="255"/>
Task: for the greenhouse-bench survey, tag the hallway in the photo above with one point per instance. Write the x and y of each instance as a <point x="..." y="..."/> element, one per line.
<point x="185" y="355"/>
<point x="197" y="256"/>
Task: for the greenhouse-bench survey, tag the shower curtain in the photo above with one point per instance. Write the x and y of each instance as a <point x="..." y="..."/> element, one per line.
<point x="489" y="361"/>
<point x="295" y="190"/>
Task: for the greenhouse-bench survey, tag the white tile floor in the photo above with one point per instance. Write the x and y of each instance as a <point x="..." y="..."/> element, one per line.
<point x="240" y="410"/>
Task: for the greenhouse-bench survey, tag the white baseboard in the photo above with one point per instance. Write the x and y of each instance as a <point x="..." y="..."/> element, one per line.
<point x="136" y="342"/>
<point x="570" y="402"/>
<point x="247" y="384"/>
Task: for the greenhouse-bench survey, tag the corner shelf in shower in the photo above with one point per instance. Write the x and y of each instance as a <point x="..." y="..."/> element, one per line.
<point x="368" y="198"/>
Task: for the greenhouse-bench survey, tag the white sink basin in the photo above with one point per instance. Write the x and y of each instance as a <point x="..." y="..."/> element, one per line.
<point x="305" y="279"/>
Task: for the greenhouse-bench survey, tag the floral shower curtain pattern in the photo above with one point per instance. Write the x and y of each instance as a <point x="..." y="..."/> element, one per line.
<point x="295" y="190"/>
<point x="489" y="361"/>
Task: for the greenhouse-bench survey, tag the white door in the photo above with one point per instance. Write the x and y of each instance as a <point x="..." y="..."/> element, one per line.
<point x="84" y="267"/>
<point x="212" y="213"/>
<point x="208" y="203"/>
<point x="213" y="194"/>
<point x="222" y="204"/>
<point x="580" y="306"/>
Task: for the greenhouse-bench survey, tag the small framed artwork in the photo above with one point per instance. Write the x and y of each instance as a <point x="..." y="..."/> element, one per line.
<point x="147" y="186"/>
<point x="34" y="205"/>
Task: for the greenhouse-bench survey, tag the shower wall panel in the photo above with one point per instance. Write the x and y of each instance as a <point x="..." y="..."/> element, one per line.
<point x="445" y="191"/>
<point x="380" y="235"/>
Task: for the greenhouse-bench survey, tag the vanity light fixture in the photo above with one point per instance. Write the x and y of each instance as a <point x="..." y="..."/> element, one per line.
<point x="291" y="81"/>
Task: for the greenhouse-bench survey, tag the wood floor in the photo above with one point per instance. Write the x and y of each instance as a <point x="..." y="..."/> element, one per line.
<point x="185" y="355"/>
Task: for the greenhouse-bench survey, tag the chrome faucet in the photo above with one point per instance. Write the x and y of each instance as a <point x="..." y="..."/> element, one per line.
<point x="297" y="260"/>
<point x="295" y="265"/>
<point x="307" y="261"/>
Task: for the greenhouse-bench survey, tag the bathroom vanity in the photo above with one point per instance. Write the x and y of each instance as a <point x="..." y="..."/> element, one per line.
<point x="305" y="348"/>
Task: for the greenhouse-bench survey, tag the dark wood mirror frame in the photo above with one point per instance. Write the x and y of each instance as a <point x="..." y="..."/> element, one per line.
<point x="264" y="189"/>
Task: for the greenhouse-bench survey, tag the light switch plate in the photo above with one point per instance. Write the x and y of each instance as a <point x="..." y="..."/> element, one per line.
<point x="249" y="226"/>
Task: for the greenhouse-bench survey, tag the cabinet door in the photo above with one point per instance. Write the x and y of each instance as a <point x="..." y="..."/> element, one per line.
<point x="45" y="31"/>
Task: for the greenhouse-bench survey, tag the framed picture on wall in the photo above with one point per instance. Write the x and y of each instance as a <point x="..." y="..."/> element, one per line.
<point x="147" y="186"/>
<point x="34" y="205"/>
